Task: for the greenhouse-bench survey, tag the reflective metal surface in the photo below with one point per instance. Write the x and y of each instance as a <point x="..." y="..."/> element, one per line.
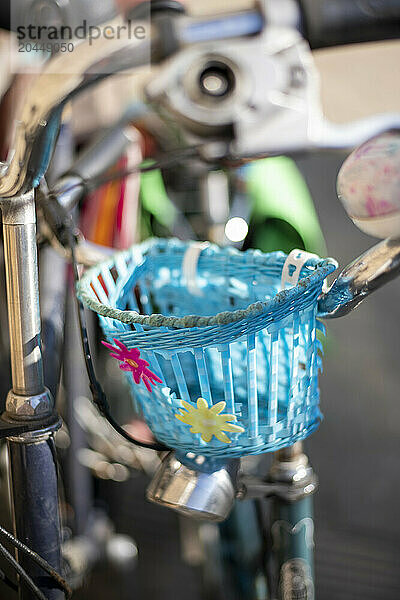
<point x="291" y="478"/>
<point x="349" y="135"/>
<point x="197" y="494"/>
<point x="296" y="580"/>
<point x="271" y="102"/>
<point x="274" y="89"/>
<point x="28" y="398"/>
<point x="290" y="465"/>
<point x="62" y="78"/>
<point x="360" y="278"/>
<point x="29" y="407"/>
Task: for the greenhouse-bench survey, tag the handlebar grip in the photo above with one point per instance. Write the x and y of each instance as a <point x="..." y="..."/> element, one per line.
<point x="337" y="22"/>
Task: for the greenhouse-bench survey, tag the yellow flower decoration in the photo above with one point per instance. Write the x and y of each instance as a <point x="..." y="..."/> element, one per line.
<point x="208" y="421"/>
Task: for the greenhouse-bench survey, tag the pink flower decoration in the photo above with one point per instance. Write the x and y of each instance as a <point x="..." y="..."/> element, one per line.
<point x="131" y="361"/>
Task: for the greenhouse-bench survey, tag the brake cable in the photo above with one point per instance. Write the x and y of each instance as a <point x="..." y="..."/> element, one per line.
<point x="41" y="562"/>
<point x="98" y="394"/>
<point x="64" y="230"/>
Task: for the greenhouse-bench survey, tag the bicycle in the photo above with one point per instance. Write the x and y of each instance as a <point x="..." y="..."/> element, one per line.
<point x="35" y="139"/>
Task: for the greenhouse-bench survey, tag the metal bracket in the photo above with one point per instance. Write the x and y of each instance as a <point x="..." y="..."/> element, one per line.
<point x="251" y="487"/>
<point x="11" y="428"/>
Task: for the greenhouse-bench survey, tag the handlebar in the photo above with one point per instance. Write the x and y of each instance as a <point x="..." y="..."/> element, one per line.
<point x="63" y="78"/>
<point x="244" y="43"/>
<point x="93" y="162"/>
<point x="337" y="22"/>
<point x="102" y="154"/>
<point x="373" y="269"/>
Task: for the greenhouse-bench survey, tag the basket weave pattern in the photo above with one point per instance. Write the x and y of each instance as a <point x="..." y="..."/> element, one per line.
<point x="238" y="339"/>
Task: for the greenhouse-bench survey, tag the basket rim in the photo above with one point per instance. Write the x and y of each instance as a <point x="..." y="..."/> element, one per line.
<point x="323" y="268"/>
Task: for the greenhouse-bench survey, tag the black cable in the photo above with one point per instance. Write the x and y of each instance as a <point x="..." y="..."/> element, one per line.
<point x="43" y="564"/>
<point x="22" y="573"/>
<point x="57" y="217"/>
<point x="96" y="389"/>
<point x="98" y="394"/>
<point x="89" y="185"/>
<point x="162" y="163"/>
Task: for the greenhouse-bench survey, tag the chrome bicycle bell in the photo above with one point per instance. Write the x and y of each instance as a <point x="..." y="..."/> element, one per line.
<point x="195" y="486"/>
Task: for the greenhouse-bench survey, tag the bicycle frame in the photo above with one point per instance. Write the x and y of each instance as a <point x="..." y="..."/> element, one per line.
<point x="32" y="456"/>
<point x="292" y="525"/>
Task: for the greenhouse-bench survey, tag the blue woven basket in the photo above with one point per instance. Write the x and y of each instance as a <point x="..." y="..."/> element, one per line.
<point x="251" y="348"/>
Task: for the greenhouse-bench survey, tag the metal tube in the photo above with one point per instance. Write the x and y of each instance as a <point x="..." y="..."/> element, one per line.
<point x="290" y="453"/>
<point x="53" y="289"/>
<point x="28" y="398"/>
<point x="292" y="532"/>
<point x="33" y="467"/>
<point x="292" y="526"/>
<point x="367" y="273"/>
<point x="78" y="490"/>
<point x="36" y="512"/>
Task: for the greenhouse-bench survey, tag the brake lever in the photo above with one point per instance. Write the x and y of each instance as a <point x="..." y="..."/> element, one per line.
<point x="67" y="75"/>
<point x="252" y="91"/>
<point x="251" y="96"/>
<point x="64" y="77"/>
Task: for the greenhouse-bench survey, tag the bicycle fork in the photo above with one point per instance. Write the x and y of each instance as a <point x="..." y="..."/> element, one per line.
<point x="292" y="525"/>
<point x="33" y="471"/>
